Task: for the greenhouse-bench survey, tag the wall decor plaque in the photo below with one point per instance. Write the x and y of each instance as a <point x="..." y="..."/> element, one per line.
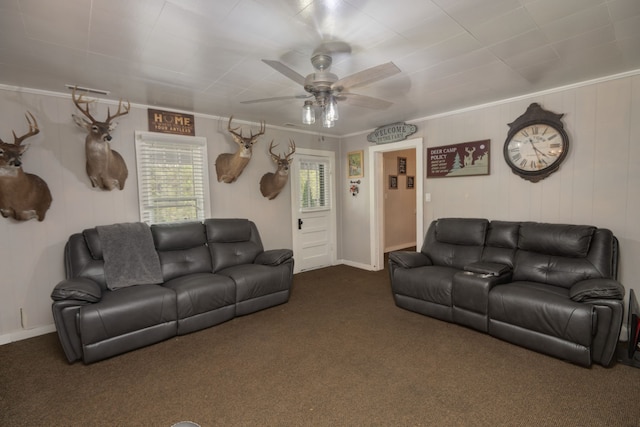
<point x="392" y="133"/>
<point x="465" y="159"/>
<point x="171" y="122"/>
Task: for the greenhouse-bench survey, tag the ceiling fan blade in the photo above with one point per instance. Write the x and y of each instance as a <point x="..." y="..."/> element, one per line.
<point x="277" y="98"/>
<point x="283" y="69"/>
<point x="363" y="101"/>
<point x="367" y="76"/>
<point x="332" y="47"/>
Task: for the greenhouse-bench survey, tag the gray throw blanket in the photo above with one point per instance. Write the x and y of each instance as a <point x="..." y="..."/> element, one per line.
<point x="129" y="255"/>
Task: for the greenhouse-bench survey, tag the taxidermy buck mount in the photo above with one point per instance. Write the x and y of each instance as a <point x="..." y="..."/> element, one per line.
<point x="229" y="166"/>
<point x="23" y="196"/>
<point x="272" y="183"/>
<point x="106" y="167"/>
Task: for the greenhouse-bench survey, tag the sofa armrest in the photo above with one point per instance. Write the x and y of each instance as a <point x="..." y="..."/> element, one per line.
<point x="79" y="289"/>
<point x="596" y="289"/>
<point x="409" y="259"/>
<point x="274" y="256"/>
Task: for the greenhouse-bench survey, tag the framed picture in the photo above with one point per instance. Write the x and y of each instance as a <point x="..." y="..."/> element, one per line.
<point x="393" y="182"/>
<point x="402" y="165"/>
<point x="410" y="182"/>
<point x="355" y="164"/>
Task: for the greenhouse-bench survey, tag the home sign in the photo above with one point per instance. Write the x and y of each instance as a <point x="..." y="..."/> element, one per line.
<point x="170" y="122"/>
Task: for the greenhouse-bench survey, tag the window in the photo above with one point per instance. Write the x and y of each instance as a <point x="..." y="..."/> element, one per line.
<point x="314" y="185"/>
<point x="173" y="177"/>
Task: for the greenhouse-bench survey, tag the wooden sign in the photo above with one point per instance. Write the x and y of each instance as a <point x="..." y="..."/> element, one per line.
<point x="170" y="122"/>
<point x="466" y="159"/>
<point x="391" y="133"/>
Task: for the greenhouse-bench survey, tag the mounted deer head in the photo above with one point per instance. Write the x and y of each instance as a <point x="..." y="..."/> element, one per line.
<point x="230" y="166"/>
<point x="272" y="183"/>
<point x="23" y="196"/>
<point x="106" y="167"/>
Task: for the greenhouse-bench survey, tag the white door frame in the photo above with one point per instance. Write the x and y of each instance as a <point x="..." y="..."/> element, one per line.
<point x="333" y="235"/>
<point x="376" y="195"/>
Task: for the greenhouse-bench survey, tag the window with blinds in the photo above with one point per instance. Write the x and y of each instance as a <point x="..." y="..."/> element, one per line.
<point x="314" y="186"/>
<point x="173" y="178"/>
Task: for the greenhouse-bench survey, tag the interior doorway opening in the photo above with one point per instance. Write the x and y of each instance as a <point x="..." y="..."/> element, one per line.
<point x="379" y="181"/>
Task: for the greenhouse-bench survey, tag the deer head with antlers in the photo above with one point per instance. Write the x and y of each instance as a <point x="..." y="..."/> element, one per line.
<point x="23" y="196"/>
<point x="106" y="167"/>
<point x="229" y="166"/>
<point x="272" y="183"/>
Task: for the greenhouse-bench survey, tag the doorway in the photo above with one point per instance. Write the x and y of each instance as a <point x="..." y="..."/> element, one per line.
<point x="375" y="161"/>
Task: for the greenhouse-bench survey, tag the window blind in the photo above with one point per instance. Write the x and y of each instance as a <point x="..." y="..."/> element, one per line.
<point x="172" y="179"/>
<point x="314" y="185"/>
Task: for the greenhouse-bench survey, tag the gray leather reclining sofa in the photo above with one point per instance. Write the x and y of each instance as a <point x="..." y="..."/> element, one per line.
<point x="549" y="287"/>
<point x="211" y="271"/>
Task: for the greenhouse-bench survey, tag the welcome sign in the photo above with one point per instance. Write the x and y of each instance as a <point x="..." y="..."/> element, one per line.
<point x="465" y="159"/>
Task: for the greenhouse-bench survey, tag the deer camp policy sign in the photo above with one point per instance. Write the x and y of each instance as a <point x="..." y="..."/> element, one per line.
<point x="170" y="122"/>
<point x="465" y="159"/>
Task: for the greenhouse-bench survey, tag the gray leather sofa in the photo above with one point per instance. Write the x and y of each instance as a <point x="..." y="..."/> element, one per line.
<point x="211" y="271"/>
<point x="549" y="287"/>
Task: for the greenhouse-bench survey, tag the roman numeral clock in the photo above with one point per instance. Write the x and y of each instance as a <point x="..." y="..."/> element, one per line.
<point x="536" y="144"/>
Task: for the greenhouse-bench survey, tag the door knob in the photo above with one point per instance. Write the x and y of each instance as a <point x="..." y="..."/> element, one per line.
<point x="300" y="224"/>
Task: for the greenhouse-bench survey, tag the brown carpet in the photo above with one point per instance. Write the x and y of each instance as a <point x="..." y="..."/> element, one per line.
<point x="339" y="353"/>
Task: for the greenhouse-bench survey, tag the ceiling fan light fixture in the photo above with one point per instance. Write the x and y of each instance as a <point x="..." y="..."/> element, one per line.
<point x="332" y="109"/>
<point x="308" y="113"/>
<point x="326" y="119"/>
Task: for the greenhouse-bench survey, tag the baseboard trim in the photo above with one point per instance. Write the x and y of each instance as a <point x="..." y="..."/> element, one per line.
<point x="26" y="334"/>
<point x="399" y="247"/>
<point x="356" y="265"/>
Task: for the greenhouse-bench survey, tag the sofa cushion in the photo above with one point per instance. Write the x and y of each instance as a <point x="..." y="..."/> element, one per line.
<point x="461" y="231"/>
<point x="173" y="237"/>
<point x="228" y="230"/>
<point x="429" y="283"/>
<point x="556" y="239"/>
<point x="185" y="261"/>
<point x="543" y="308"/>
<point x="92" y="239"/>
<point x="256" y="280"/>
<point x="202" y="292"/>
<point x="126" y="310"/>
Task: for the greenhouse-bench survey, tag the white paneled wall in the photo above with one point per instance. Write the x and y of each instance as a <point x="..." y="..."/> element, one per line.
<point x="598" y="184"/>
<point x="31" y="252"/>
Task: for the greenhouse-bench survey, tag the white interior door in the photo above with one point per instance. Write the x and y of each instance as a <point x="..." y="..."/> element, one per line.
<point x="313" y="209"/>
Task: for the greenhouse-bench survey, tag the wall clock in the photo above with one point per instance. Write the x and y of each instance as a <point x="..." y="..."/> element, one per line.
<point x="536" y="144"/>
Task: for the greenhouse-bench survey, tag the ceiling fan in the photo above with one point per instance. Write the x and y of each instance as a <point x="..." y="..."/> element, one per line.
<point x="324" y="88"/>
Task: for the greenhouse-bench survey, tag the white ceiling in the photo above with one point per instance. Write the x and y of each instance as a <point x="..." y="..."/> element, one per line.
<point x="205" y="56"/>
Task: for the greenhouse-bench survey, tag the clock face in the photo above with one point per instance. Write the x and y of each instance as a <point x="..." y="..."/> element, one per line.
<point x="536" y="148"/>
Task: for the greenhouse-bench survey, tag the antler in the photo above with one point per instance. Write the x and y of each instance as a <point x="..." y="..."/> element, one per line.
<point x="33" y="129"/>
<point x="79" y="101"/>
<point x="86" y="112"/>
<point x="273" y="155"/>
<point x="118" y="113"/>
<point x="292" y="147"/>
<point x="239" y="136"/>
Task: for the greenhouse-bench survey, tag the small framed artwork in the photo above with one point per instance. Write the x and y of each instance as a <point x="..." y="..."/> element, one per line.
<point x="393" y="182"/>
<point x="402" y="165"/>
<point x="410" y="182"/>
<point x="355" y="165"/>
